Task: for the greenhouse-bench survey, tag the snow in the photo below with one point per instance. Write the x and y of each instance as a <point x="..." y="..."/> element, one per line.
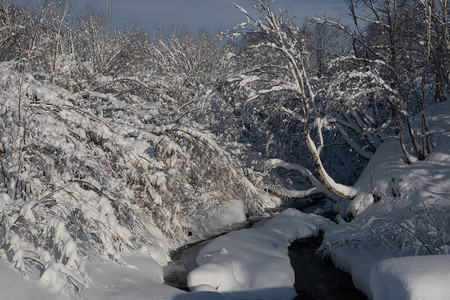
<point x="254" y="263"/>
<point x="140" y="277"/>
<point x="319" y="187"/>
<point x="401" y="213"/>
<point x="387" y="174"/>
<point x="12" y="286"/>
<point x="229" y="216"/>
<point x="241" y="9"/>
<point x="117" y="252"/>
<point x="418" y="277"/>
<point x="249" y="263"/>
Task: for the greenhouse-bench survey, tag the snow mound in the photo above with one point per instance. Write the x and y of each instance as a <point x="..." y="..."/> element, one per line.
<point x="420" y="277"/>
<point x="232" y="214"/>
<point x="389" y="181"/>
<point x="254" y="263"/>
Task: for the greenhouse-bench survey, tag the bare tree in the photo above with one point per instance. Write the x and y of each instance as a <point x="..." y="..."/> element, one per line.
<point x="435" y="15"/>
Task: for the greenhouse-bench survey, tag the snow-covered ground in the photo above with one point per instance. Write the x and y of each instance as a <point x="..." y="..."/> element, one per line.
<point x="410" y="218"/>
<point x="418" y="277"/>
<point x="138" y="276"/>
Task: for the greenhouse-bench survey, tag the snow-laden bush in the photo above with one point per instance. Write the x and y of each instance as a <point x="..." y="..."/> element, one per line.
<point x="425" y="232"/>
<point x="62" y="199"/>
<point x="90" y="175"/>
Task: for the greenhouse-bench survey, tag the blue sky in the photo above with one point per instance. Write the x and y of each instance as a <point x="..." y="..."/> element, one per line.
<point x="195" y="14"/>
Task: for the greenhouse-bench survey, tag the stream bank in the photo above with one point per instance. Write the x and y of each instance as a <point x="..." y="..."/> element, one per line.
<point x="314" y="278"/>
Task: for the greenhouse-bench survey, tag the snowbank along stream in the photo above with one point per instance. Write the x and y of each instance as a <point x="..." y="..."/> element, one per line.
<point x="314" y="278"/>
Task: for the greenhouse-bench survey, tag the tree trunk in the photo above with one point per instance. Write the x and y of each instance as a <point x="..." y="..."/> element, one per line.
<point x="341" y="191"/>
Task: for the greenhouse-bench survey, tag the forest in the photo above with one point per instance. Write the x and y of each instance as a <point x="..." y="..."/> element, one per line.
<point x="123" y="140"/>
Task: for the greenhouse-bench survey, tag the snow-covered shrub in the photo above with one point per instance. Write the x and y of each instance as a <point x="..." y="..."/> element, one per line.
<point x="89" y="174"/>
<point x="11" y="31"/>
<point x="61" y="197"/>
<point x="425" y="232"/>
<point x="38" y="37"/>
<point x="117" y="54"/>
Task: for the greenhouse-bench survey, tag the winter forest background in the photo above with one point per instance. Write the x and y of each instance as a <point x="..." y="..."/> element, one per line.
<point x="112" y="140"/>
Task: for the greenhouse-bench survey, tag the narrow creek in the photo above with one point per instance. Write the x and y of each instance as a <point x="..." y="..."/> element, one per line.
<point x="183" y="261"/>
<point x="319" y="279"/>
<point x="314" y="278"/>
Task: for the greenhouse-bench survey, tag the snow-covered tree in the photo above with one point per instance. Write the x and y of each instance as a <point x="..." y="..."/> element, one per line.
<point x="392" y="57"/>
<point x="284" y="74"/>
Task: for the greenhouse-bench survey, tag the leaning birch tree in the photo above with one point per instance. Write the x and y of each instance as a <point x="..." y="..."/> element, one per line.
<point x="284" y="72"/>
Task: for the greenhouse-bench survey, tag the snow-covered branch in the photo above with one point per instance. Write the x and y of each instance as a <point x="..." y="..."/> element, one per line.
<point x="318" y="186"/>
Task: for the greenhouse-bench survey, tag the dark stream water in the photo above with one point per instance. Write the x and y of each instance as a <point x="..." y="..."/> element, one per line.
<point x="314" y="278"/>
<point x="183" y="261"/>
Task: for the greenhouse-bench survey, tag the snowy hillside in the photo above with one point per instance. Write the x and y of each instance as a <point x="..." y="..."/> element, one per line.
<point x="402" y="210"/>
